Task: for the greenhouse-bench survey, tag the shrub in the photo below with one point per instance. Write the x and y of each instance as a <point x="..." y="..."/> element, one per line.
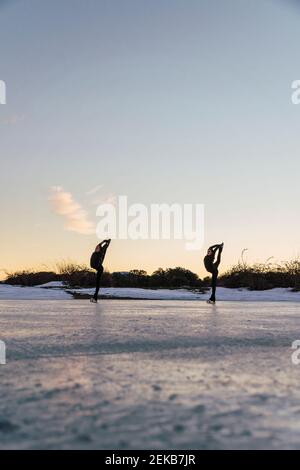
<point x="76" y="275"/>
<point x="262" y="276"/>
<point x="259" y="276"/>
<point x="30" y="278"/>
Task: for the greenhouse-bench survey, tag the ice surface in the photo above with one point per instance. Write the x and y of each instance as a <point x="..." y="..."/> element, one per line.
<point x="149" y="374"/>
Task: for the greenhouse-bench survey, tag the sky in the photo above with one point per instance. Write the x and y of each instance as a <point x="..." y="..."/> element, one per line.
<point x="168" y="101"/>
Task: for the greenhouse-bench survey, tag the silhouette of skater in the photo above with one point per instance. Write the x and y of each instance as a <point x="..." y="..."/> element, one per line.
<point x="96" y="263"/>
<point x="212" y="267"/>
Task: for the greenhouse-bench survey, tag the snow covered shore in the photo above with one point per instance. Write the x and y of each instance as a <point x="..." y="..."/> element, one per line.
<point x="56" y="291"/>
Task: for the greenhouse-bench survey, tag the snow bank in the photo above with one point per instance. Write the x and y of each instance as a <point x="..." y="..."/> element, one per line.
<point x="151" y="294"/>
<point x="56" y="290"/>
<point x="276" y="295"/>
<point x="223" y="293"/>
<point x="52" y="284"/>
<point x="8" y="292"/>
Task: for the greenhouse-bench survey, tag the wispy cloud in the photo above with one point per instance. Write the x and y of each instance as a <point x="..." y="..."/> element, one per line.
<point x="76" y="218"/>
<point x="94" y="190"/>
<point x="13" y="119"/>
<point x="96" y="196"/>
<point x="107" y="199"/>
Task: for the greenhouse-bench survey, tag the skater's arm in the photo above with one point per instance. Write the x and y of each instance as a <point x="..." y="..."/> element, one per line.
<point x="219" y="249"/>
<point x="214" y="248"/>
<point x="104" y="244"/>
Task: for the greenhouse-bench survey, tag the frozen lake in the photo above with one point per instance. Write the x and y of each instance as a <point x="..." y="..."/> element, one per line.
<point x="144" y="374"/>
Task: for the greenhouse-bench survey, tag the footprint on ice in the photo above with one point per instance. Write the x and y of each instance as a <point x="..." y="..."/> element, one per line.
<point x="173" y="397"/>
<point x="7" y="426"/>
<point x="179" y="428"/>
<point x="199" y="409"/>
<point x="156" y="387"/>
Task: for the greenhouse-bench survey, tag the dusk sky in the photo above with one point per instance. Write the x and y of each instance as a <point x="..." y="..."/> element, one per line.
<point x="162" y="101"/>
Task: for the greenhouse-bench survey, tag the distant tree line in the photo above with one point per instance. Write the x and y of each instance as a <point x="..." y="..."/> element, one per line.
<point x="80" y="276"/>
<point x="254" y="277"/>
<point x="171" y="278"/>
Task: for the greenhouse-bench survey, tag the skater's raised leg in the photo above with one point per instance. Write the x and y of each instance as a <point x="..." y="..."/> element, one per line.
<point x="220" y="249"/>
<point x="212" y="267"/>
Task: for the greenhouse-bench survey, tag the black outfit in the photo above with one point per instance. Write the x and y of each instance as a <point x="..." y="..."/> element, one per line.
<point x="98" y="281"/>
<point x="212" y="267"/>
<point x="96" y="263"/>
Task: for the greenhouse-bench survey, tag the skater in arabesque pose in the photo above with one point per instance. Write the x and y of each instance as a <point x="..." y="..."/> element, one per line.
<point x="96" y="263"/>
<point x="212" y="267"/>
